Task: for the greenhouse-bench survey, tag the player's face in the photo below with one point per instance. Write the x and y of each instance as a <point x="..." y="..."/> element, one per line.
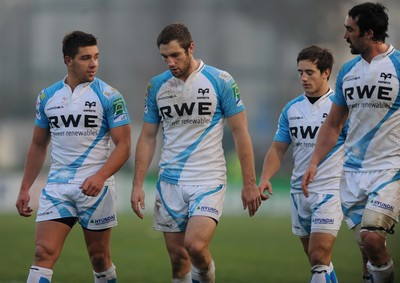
<point x="83" y="67"/>
<point x="314" y="82"/>
<point x="358" y="42"/>
<point x="179" y="61"/>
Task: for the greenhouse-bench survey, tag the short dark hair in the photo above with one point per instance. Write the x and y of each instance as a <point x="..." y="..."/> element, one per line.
<point x="321" y="57"/>
<point x="371" y="16"/>
<point x="176" y="31"/>
<point x="75" y="39"/>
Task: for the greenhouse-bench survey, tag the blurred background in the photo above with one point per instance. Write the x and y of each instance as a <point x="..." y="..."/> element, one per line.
<point x="256" y="41"/>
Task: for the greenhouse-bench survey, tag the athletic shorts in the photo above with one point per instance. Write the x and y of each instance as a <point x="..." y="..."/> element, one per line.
<point x="377" y="191"/>
<point x="175" y="204"/>
<point x="317" y="213"/>
<point x="67" y="200"/>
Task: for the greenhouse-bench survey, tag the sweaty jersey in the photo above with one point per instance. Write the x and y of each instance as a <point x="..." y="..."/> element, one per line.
<point x="192" y="115"/>
<point x="299" y="123"/>
<point x="371" y="93"/>
<point x="79" y="124"/>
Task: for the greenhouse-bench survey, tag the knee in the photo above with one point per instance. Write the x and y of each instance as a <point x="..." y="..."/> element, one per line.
<point x="100" y="260"/>
<point x="319" y="256"/>
<point x="180" y="261"/>
<point x="195" y="248"/>
<point x="372" y="242"/>
<point x="44" y="253"/>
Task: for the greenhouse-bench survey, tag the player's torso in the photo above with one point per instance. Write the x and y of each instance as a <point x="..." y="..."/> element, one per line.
<point x="305" y="120"/>
<point x="76" y="118"/>
<point x="192" y="115"/>
<point x="79" y="132"/>
<point x="187" y="106"/>
<point x="371" y="92"/>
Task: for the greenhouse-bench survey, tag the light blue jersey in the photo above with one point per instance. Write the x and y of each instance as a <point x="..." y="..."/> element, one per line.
<point x="299" y="123"/>
<point x="192" y="115"/>
<point x="79" y="124"/>
<point x="371" y="92"/>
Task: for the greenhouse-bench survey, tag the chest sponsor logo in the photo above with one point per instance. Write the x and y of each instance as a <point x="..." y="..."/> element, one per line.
<point x="89" y="121"/>
<point x="203" y="108"/>
<point x="304" y="132"/>
<point x="368" y="92"/>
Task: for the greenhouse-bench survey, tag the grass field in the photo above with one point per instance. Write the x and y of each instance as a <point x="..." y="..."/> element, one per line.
<point x="258" y="249"/>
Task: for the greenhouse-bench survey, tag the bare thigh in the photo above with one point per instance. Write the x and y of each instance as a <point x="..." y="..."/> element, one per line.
<point x="49" y="241"/>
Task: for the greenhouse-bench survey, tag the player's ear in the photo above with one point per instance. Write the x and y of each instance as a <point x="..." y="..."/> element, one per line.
<point x="327" y="73"/>
<point x="67" y="60"/>
<point x="191" y="48"/>
<point x="369" y="34"/>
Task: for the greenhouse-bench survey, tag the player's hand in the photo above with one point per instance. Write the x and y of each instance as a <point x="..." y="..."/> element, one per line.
<point x="22" y="204"/>
<point x="137" y="201"/>
<point x="251" y="199"/>
<point x="308" y="178"/>
<point x="93" y="185"/>
<point x="265" y="185"/>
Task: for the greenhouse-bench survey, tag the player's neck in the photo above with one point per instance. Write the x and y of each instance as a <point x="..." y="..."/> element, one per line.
<point x="376" y="49"/>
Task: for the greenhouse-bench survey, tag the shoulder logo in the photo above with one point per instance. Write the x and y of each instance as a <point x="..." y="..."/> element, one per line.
<point x="236" y="92"/>
<point x="225" y="76"/>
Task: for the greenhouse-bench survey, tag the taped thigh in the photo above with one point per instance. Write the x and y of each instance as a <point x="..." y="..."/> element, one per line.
<point x="380" y="223"/>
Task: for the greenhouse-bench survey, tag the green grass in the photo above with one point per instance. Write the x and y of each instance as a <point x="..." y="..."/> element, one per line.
<point x="258" y="249"/>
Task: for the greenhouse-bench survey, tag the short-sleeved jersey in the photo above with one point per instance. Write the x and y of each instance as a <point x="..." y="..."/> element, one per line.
<point x="79" y="124"/>
<point x="192" y="115"/>
<point x="371" y="93"/>
<point x="299" y="125"/>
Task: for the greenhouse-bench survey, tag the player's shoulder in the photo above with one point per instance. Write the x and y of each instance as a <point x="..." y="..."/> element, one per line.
<point x="347" y="66"/>
<point x="395" y="54"/>
<point x="295" y="101"/>
<point x="54" y="87"/>
<point x="157" y="81"/>
<point x="216" y="73"/>
<point x="104" y="89"/>
<point x="49" y="91"/>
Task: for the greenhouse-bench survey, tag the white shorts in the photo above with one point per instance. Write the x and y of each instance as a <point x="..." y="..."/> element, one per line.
<point x="67" y="200"/>
<point x="317" y="213"/>
<point x="377" y="191"/>
<point x="175" y="204"/>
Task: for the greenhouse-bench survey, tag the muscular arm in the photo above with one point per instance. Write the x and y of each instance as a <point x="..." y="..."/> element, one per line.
<point x="121" y="137"/>
<point x="251" y="198"/>
<point x="145" y="149"/>
<point x="272" y="163"/>
<point x="33" y="164"/>
<point x="327" y="139"/>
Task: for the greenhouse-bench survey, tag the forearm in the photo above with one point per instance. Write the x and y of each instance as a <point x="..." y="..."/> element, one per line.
<point x="245" y="154"/>
<point x="271" y="166"/>
<point x="327" y="139"/>
<point x="145" y="150"/>
<point x="116" y="160"/>
<point x="33" y="164"/>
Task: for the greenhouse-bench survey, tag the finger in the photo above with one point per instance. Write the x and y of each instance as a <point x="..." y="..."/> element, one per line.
<point x="244" y="203"/>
